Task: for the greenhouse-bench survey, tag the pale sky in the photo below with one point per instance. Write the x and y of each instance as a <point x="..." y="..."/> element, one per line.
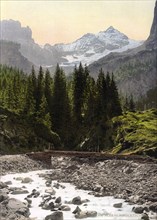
<point x="65" y="21"/>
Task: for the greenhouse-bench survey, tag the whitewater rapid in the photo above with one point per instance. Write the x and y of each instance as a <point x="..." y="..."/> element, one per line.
<point x="102" y="205"/>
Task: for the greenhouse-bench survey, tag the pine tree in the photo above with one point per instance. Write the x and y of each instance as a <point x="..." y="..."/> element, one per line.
<point x="43" y="115"/>
<point x="80" y="77"/>
<point x="115" y="105"/>
<point x="61" y="106"/>
<point x="9" y="96"/>
<point x="30" y="104"/>
<point x="101" y="95"/>
<point x="40" y="88"/>
<point x="90" y="113"/>
<point x="48" y="89"/>
<point x="77" y="95"/>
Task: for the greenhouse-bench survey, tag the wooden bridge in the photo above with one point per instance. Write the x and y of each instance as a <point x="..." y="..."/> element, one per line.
<point x="45" y="156"/>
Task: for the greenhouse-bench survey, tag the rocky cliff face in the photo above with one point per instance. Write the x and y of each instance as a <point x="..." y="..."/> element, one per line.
<point x="11" y="56"/>
<point x="13" y="31"/>
<point x="21" y="34"/>
<point x="152" y="39"/>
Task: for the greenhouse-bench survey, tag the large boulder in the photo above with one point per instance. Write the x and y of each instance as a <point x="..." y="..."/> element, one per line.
<point x="27" y="180"/>
<point x="58" y="200"/>
<point x="49" y="205"/>
<point x="16" y="206"/>
<point x="77" y="200"/>
<point x="77" y="210"/>
<point x="145" y="216"/>
<point x="118" y="205"/>
<point x="55" y="216"/>
<point x="139" y="209"/>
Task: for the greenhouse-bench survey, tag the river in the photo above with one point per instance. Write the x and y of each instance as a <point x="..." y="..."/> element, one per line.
<point x="102" y="205"/>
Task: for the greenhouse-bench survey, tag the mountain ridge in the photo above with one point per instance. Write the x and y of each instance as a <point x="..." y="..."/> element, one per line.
<point x="91" y="47"/>
<point x="135" y="70"/>
<point x="86" y="49"/>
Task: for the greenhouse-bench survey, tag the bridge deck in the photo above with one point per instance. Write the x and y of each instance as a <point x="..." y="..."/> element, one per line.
<point x="45" y="156"/>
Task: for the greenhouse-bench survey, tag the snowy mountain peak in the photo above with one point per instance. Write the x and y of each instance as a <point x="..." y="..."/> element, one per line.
<point x="110" y="29"/>
<point x="113" y="33"/>
<point x="91" y="47"/>
<point x="88" y="35"/>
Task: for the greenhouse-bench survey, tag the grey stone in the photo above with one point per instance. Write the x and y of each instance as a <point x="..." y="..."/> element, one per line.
<point x="65" y="208"/>
<point x="91" y="213"/>
<point x="23" y="211"/>
<point x="50" y="191"/>
<point x="138" y="209"/>
<point x="76" y="200"/>
<point x="15" y="204"/>
<point x="77" y="210"/>
<point x="118" y="205"/>
<point x="55" y="216"/>
<point x="85" y="214"/>
<point x="81" y="215"/>
<point x="58" y="200"/>
<point x="20" y="191"/>
<point x="8" y="183"/>
<point x="27" y="180"/>
<point x="145" y="216"/>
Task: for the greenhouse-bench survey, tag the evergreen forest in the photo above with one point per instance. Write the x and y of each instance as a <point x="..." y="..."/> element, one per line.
<point x="67" y="106"/>
<point x="78" y="110"/>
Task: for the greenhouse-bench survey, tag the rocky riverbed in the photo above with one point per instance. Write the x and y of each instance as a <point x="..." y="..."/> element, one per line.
<point x="132" y="181"/>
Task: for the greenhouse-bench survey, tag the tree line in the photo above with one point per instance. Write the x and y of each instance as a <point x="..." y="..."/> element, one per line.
<point x="67" y="106"/>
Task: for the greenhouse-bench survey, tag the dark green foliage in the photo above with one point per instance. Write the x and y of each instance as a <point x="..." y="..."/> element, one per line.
<point x="115" y="106"/>
<point x="90" y="112"/>
<point x="79" y="92"/>
<point x="13" y="88"/>
<point x="61" y="111"/>
<point x="30" y="102"/>
<point x="75" y="108"/>
<point x="44" y="132"/>
<point x="43" y="115"/>
<point x="101" y="99"/>
<point x="39" y="89"/>
<point x="48" y="89"/>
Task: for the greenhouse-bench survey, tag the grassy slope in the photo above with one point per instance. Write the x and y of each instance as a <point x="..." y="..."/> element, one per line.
<point x="136" y="133"/>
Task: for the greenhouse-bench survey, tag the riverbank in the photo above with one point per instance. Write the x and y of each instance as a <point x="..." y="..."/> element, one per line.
<point x="19" y="164"/>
